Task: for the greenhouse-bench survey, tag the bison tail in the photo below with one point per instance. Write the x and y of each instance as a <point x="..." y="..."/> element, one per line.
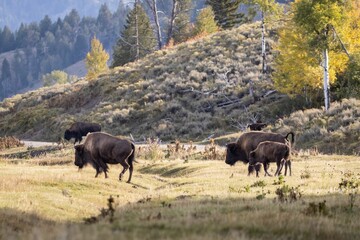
<point x="130" y="160"/>
<point x="292" y="137"/>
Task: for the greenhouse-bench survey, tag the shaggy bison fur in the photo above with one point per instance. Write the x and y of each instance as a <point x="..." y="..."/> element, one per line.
<point x="100" y="149"/>
<point x="79" y="129"/>
<point x="247" y="142"/>
<point x="267" y="152"/>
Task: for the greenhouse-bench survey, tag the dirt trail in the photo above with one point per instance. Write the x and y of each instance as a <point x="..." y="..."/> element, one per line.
<point x="38" y="144"/>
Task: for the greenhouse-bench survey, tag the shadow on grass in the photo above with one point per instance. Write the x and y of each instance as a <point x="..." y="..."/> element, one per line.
<point x="170" y="171"/>
<point x="18" y="221"/>
<point x="199" y="217"/>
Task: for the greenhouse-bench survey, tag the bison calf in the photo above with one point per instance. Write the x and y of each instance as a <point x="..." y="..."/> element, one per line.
<point x="269" y="151"/>
<point x="100" y="149"/>
<point x="79" y="129"/>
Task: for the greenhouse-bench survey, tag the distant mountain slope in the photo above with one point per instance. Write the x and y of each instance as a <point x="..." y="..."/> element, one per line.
<point x="78" y="69"/>
<point x="25" y="11"/>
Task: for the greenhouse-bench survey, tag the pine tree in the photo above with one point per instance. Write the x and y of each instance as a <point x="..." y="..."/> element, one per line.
<point x="96" y="59"/>
<point x="45" y="25"/>
<point x="182" y="27"/>
<point x="5" y="77"/>
<point x="104" y="18"/>
<point x="226" y="12"/>
<point x="81" y="47"/>
<point x="205" y="22"/>
<point x="137" y="39"/>
<point x="7" y="40"/>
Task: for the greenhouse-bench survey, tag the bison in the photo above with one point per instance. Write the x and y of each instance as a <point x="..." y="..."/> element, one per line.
<point x="79" y="129"/>
<point x="267" y="152"/>
<point x="247" y="142"/>
<point x="100" y="149"/>
<point x="257" y="126"/>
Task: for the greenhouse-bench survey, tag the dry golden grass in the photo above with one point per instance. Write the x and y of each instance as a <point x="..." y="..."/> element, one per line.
<point x="177" y="199"/>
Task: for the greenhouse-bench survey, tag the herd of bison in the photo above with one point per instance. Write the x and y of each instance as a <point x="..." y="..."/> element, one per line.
<point x="255" y="147"/>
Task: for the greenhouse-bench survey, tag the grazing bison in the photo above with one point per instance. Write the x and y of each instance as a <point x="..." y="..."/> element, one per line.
<point x="247" y="142"/>
<point x="267" y="152"/>
<point x="257" y="126"/>
<point x="99" y="149"/>
<point x="79" y="129"/>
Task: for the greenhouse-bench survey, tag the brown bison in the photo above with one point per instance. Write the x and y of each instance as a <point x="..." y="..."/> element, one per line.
<point x="247" y="142"/>
<point x="257" y="126"/>
<point x="79" y="129"/>
<point x="267" y="152"/>
<point x="99" y="149"/>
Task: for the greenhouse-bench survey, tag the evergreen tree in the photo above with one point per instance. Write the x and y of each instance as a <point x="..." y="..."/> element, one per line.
<point x="5" y="77"/>
<point x="81" y="47"/>
<point x="205" y="22"/>
<point x="105" y="25"/>
<point x="96" y="59"/>
<point x="45" y="25"/>
<point x="226" y="12"/>
<point x="137" y="39"/>
<point x="73" y="18"/>
<point x="104" y="18"/>
<point x="7" y="40"/>
<point x="182" y="27"/>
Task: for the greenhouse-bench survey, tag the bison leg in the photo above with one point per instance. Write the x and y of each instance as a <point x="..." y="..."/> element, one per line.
<point x="251" y="169"/>
<point x="288" y="164"/>
<point x="131" y="168"/>
<point x="266" y="167"/>
<point x="279" y="166"/>
<point x="125" y="167"/>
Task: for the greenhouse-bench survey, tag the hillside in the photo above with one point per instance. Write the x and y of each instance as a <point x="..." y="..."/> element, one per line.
<point x="179" y="92"/>
<point x="189" y="92"/>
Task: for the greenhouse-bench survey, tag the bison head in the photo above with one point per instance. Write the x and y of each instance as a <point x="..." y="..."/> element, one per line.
<point x="68" y="134"/>
<point x="252" y="156"/>
<point x="80" y="159"/>
<point x="233" y="154"/>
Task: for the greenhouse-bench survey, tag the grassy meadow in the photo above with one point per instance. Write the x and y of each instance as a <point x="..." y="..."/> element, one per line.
<point x="177" y="196"/>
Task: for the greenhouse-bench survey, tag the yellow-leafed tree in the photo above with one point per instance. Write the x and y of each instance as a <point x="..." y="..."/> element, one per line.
<point x="315" y="46"/>
<point x="96" y="59"/>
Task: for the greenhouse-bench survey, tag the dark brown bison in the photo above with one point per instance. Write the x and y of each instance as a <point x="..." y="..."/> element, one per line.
<point x="247" y="142"/>
<point x="257" y="126"/>
<point x="79" y="129"/>
<point x="99" y="149"/>
<point x="267" y="152"/>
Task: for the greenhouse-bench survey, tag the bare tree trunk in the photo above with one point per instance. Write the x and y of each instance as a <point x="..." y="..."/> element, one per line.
<point x="263" y="43"/>
<point x="172" y="20"/>
<point x="341" y="42"/>
<point x="137" y="44"/>
<point x="153" y="6"/>
<point x="326" y="80"/>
